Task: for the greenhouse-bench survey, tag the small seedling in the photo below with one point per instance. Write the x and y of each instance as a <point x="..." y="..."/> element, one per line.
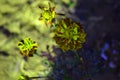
<point x="27" y="47"/>
<point x="48" y="15"/>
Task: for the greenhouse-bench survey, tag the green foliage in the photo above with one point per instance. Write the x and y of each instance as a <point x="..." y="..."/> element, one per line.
<point x="15" y="14"/>
<point x="69" y="35"/>
<point x="48" y="15"/>
<point x="21" y="17"/>
<point x="18" y="19"/>
<point x="27" y="47"/>
<point x="22" y="77"/>
<point x="35" y="66"/>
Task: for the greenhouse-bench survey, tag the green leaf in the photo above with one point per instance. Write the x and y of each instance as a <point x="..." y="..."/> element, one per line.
<point x="64" y="25"/>
<point x="75" y="37"/>
<point x="75" y="30"/>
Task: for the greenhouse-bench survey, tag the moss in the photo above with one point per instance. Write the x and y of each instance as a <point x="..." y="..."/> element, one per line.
<point x="36" y="66"/>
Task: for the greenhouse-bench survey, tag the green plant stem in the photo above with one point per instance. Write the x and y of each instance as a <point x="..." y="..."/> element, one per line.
<point x="82" y="59"/>
<point x="36" y="77"/>
<point x="78" y="56"/>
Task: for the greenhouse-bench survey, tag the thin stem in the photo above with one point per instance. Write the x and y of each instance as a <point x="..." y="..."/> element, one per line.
<point x="36" y="77"/>
<point x="82" y="59"/>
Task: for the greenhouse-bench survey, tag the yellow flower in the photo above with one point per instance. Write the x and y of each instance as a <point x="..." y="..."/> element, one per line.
<point x="69" y="35"/>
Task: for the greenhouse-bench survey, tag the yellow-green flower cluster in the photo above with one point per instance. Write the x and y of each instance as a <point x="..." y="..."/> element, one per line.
<point x="48" y="14"/>
<point x="69" y="35"/>
<point x="27" y="47"/>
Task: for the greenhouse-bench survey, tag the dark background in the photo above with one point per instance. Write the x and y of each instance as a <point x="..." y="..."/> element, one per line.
<point x="102" y="24"/>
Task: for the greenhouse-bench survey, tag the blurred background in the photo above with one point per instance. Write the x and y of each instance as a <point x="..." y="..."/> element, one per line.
<point x="101" y="52"/>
